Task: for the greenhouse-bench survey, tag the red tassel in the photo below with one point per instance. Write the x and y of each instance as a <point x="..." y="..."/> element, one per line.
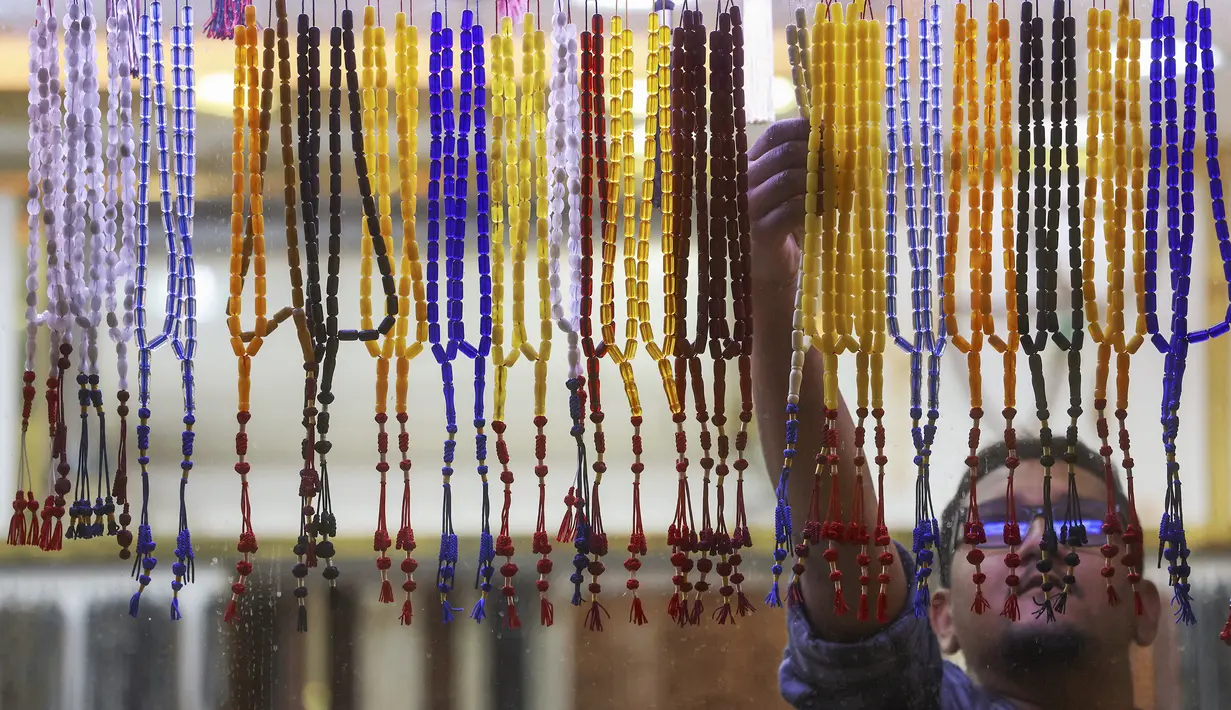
<point x="1011" y="609"/>
<point x="57" y="538"/>
<point x="44" y="536"/>
<point x="386" y="592"/>
<point x="980" y="604"/>
<point x="565" y="534"/>
<point x="839" y="603"/>
<point x="1112" y="598"/>
<point x="407" y="613"/>
<point x="694" y="619"/>
<point x="32" y="533"/>
<point x="1138" y="607"/>
<point x="682" y="617"/>
<point x="232" y="610"/>
<point x="673" y="607"/>
<point x="17" y="526"/>
<point x="724" y="613"/>
<point x="311" y="553"/>
<point x="1225" y="634"/>
<point x="862" y="613"/>
<point x="743" y="606"/>
<point x="794" y="595"/>
<point x="547" y="613"/>
<point x="636" y="614"/>
<point x="594" y="619"/>
<point x="510" y="620"/>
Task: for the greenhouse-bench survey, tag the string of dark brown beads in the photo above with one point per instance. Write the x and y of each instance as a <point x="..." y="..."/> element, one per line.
<point x="682" y="533"/>
<point x="741" y="304"/>
<point x="51" y="535"/>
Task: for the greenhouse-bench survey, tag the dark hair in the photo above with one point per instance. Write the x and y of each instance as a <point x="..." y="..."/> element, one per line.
<point x="992" y="458"/>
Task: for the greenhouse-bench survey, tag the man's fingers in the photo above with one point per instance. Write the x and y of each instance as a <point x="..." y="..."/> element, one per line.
<point x="786" y="217"/>
<point x="784" y="131"/>
<point x="788" y="156"/>
<point x="777" y="191"/>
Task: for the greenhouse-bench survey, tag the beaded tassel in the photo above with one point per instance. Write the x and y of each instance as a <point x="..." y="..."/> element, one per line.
<point x="410" y="282"/>
<point x="804" y="320"/>
<point x="979" y="182"/>
<point x="1044" y="232"/>
<point x="323" y="523"/>
<point x="1173" y="545"/>
<point x="870" y="289"/>
<point x="247" y="243"/>
<point x="375" y="93"/>
<point x="152" y="92"/>
<point x="920" y="235"/>
<point x="44" y="111"/>
<point x="1107" y="163"/>
<point x="658" y="88"/>
<point x="740" y="236"/>
<point x="122" y="161"/>
<point x="595" y="537"/>
<point x="311" y="324"/>
<point x="56" y="316"/>
<point x="689" y="140"/>
<point x="473" y="97"/>
<point x="841" y="195"/>
<point x="565" y="188"/>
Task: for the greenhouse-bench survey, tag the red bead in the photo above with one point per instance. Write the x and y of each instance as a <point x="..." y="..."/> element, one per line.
<point x="508" y="591"/>
<point x="978" y="577"/>
<point x="243" y="568"/>
<point x="632" y="564"/>
<point x="975" y="556"/>
<point x="409" y="585"/>
<point x="595" y="588"/>
<point x="542" y="585"/>
<point x="409" y="565"/>
<point x="835" y="576"/>
<point x="830" y="554"/>
<point x="508" y="569"/>
<point x="543" y="566"/>
<point x="238" y="588"/>
<point x="1108" y="572"/>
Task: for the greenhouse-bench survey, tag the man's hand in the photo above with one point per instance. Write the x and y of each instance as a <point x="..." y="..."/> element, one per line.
<point x="777" y="183"/>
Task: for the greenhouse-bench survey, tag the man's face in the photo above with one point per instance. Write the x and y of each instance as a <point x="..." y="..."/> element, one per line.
<point x="1090" y="628"/>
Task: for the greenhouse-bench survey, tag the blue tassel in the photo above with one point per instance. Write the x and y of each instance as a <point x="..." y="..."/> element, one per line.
<point x="175" y="609"/>
<point x="479" y="612"/>
<point x="447" y="610"/>
<point x="576" y="600"/>
<point x="134" y="604"/>
<point x="774" y="598"/>
<point x="923" y="599"/>
<point x="1182" y="596"/>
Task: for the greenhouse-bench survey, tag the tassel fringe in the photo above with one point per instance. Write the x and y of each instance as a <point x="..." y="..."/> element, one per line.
<point x="636" y="614"/>
<point x="594" y="617"/>
<point x="301" y="621"/>
<point x="694" y="618"/>
<point x="511" y="620"/>
<point x="774" y="598"/>
<point x="743" y="606"/>
<point x="1113" y="599"/>
<point x="1011" y="608"/>
<point x="839" y="603"/>
<point x="980" y="604"/>
<point x="882" y="607"/>
<point x="386" y="592"/>
<point x="1138" y="606"/>
<point x="547" y="613"/>
<point x="862" y="612"/>
<point x="724" y="614"/>
<point x="408" y="612"/>
<point x="232" y="611"/>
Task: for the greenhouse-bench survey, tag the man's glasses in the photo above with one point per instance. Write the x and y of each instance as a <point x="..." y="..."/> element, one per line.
<point x="995" y="521"/>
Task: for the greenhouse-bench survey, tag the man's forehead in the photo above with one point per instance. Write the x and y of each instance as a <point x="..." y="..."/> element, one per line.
<point x="1029" y="479"/>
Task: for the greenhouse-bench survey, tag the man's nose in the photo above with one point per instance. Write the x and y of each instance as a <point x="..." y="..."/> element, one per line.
<point x="1035" y="530"/>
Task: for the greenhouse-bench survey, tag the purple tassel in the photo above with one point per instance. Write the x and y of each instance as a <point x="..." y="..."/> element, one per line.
<point x="227" y="15"/>
<point x="175" y="609"/>
<point x="447" y="611"/>
<point x="479" y="612"/>
<point x="134" y="604"/>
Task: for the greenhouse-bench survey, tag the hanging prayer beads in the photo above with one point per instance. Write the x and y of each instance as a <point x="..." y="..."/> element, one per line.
<point x="799" y="53"/>
<point x="926" y="339"/>
<point x="308" y="86"/>
<point x="565" y="186"/>
<point x="121" y="35"/>
<point x="691" y="141"/>
<point x="44" y="112"/>
<point x="817" y="201"/>
<point x="179" y="328"/>
<point x="741" y="306"/>
<point x="869" y="292"/>
<point x="658" y="96"/>
<point x="375" y="93"/>
<point x="1173" y="543"/>
<point x="410" y="281"/>
<point x="979" y="182"/>
<point x="248" y="242"/>
<point x="1112" y="152"/>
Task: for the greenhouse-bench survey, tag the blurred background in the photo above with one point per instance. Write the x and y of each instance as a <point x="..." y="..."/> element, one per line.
<point x="66" y="640"/>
